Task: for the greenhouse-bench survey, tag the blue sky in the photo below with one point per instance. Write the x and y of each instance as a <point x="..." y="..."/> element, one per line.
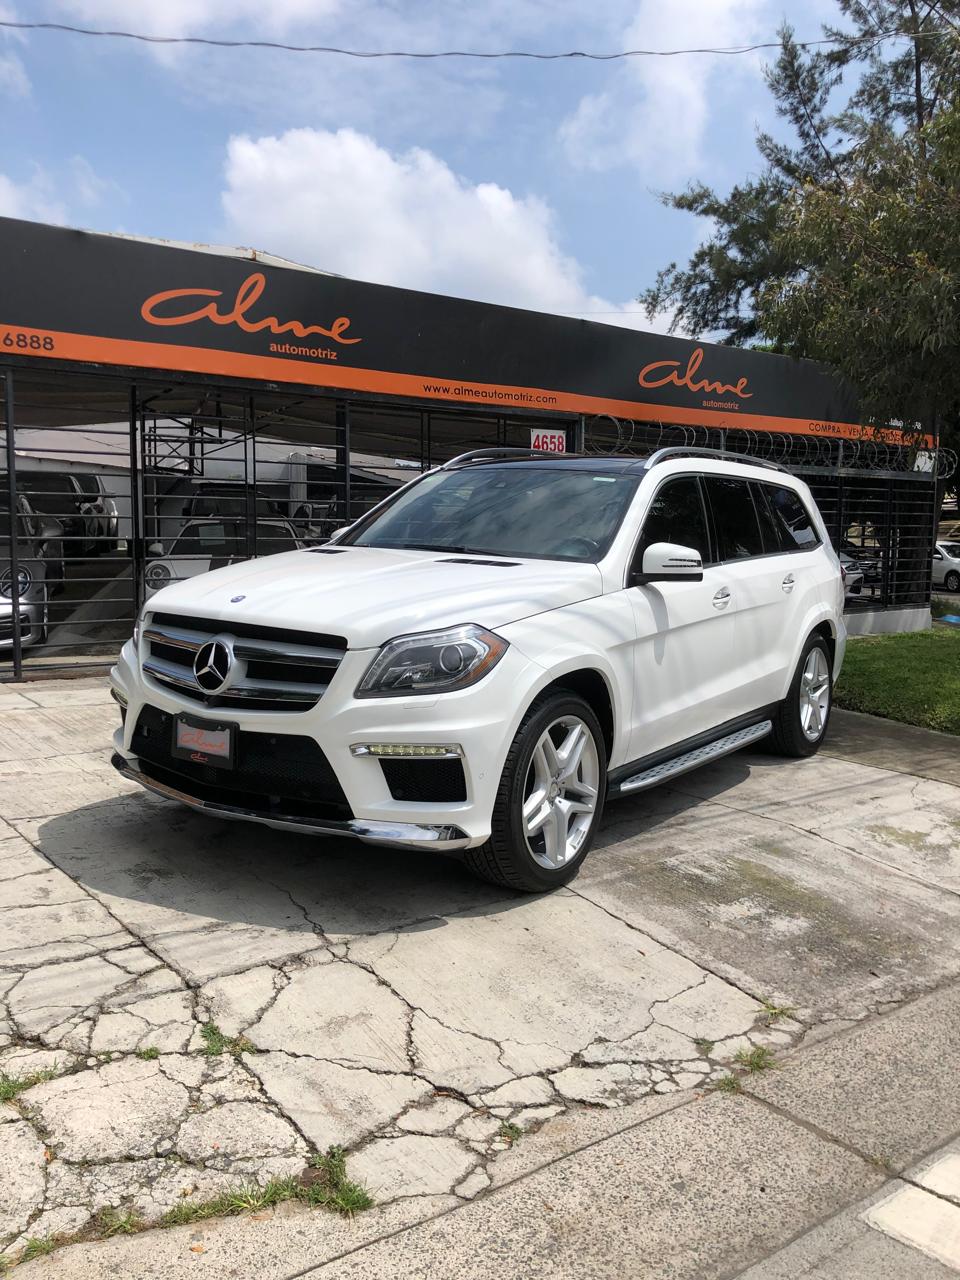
<point x="529" y="184"/>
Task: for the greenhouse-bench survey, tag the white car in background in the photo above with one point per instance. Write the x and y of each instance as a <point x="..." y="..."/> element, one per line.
<point x="946" y="565"/>
<point x="206" y="544"/>
<point x="481" y="662"/>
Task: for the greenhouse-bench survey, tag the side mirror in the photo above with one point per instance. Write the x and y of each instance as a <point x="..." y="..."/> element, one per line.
<point x="668" y="562"/>
<point x="155" y="549"/>
<point x="50" y="529"/>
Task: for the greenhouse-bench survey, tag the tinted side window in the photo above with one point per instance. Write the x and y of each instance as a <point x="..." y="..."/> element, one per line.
<point x="734" y="518"/>
<point x="774" y="535"/>
<point x="793" y="519"/>
<point x="676" y="515"/>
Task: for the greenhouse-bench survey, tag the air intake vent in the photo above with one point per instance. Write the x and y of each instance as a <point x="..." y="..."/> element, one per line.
<point x="329" y="551"/>
<point x="494" y="564"/>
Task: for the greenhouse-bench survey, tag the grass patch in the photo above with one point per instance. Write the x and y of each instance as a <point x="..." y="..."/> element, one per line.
<point x="216" y="1043"/>
<point x="510" y="1132"/>
<point x="10" y="1086"/>
<point x="704" y="1045"/>
<point x="112" y="1222"/>
<point x="774" y="1012"/>
<point x="149" y="1053"/>
<point x="913" y="678"/>
<point x="757" y="1059"/>
<point x="728" y="1084"/>
<point x="326" y="1183"/>
<point x="38" y="1247"/>
<point x="323" y="1185"/>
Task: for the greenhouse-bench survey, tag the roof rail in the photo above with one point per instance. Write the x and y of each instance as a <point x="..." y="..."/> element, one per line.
<point x="502" y="455"/>
<point x="692" y="451"/>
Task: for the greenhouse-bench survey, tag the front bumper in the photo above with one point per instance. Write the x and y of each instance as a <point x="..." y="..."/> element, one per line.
<point x="482" y="720"/>
<point x="31" y="620"/>
<point x="399" y="835"/>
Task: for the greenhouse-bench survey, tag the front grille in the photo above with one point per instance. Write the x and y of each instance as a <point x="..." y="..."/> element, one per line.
<point x="274" y="668"/>
<point x="285" y="774"/>
<point x="427" y="781"/>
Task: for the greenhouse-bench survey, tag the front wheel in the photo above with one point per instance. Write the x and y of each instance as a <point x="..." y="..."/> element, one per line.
<point x="801" y="720"/>
<point x="952" y="581"/>
<point x="550" y="799"/>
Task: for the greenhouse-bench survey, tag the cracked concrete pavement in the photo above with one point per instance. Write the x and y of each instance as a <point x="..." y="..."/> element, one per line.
<point x="391" y="1004"/>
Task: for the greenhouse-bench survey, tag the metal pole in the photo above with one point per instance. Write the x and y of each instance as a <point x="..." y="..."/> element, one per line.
<point x="250" y="489"/>
<point x="136" y="508"/>
<point x="343" y="455"/>
<point x="12" y="500"/>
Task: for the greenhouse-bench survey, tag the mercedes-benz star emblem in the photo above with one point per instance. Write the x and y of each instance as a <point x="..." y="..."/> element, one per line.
<point x="212" y="666"/>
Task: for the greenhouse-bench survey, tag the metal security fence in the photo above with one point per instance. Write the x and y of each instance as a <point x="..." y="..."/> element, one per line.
<point x="113" y="487"/>
<point x="878" y="500"/>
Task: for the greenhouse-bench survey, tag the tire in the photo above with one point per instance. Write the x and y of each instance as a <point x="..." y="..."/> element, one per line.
<point x="800" y="724"/>
<point x="952" y="581"/>
<point x="549" y="856"/>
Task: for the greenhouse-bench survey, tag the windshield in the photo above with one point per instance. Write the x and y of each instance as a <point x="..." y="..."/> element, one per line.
<point x="952" y="549"/>
<point x="512" y="510"/>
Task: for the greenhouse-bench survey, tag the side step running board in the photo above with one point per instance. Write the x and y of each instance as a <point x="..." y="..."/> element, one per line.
<point x="694" y="759"/>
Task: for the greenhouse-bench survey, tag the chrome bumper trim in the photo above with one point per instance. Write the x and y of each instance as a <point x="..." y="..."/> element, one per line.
<point x="395" y="835"/>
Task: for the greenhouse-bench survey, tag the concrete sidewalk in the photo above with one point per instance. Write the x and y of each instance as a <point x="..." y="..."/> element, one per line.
<point x="524" y="1084"/>
<point x="774" y="1179"/>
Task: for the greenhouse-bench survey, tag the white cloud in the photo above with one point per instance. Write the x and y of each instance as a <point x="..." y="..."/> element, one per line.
<point x="35" y="199"/>
<point x="199" y="17"/>
<point x="339" y="201"/>
<point x="655" y="113"/>
<point x="14" y="81"/>
<point x="60" y="197"/>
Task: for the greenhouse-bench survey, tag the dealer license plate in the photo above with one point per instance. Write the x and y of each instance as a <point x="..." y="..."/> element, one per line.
<point x="204" y="741"/>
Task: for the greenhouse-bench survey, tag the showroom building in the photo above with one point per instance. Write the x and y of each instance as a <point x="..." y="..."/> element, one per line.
<point x="174" y="407"/>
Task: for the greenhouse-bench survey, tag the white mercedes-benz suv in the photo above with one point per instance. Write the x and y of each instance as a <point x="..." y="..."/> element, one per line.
<point x="494" y="651"/>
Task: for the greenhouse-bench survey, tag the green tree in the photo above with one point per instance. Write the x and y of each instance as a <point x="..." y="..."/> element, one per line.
<point x="900" y="83"/>
<point x="844" y="248"/>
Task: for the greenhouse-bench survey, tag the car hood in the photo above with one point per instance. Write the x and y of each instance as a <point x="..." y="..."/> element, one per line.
<point x="371" y="594"/>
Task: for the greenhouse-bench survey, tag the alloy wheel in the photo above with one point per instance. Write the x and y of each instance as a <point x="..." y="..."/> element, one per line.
<point x="814" y="695"/>
<point x="561" y="792"/>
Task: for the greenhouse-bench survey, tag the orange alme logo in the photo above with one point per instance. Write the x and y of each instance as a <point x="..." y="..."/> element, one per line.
<point x="653" y="376"/>
<point x="236" y="313"/>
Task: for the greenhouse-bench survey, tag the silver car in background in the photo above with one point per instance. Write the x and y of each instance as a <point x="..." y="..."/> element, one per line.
<point x="40" y="570"/>
<point x="946" y="565"/>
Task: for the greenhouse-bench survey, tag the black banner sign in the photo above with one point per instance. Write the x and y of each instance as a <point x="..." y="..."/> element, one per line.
<point x="74" y="296"/>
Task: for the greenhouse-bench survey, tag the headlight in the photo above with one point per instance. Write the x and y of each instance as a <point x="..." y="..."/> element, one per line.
<point x="24" y="581"/>
<point x="437" y="662"/>
<point x="158" y="575"/>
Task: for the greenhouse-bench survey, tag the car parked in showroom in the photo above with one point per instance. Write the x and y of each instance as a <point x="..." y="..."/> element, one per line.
<point x="57" y="495"/>
<point x="946" y="565"/>
<point x="206" y="544"/>
<point x="484" y="659"/>
<point x="39" y="570"/>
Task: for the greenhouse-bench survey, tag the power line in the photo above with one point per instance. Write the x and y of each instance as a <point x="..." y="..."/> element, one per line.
<point x="463" y="53"/>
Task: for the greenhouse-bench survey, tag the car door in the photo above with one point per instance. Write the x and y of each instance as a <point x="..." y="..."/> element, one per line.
<point x="684" y="630"/>
<point x="772" y="586"/>
<point x="939" y="566"/>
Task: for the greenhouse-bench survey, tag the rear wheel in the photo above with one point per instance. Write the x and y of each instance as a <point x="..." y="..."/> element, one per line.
<point x="550" y="798"/>
<point x="801" y="721"/>
<point x="952" y="581"/>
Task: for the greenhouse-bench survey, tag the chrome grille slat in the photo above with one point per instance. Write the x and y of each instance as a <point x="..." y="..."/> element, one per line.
<point x="171" y="650"/>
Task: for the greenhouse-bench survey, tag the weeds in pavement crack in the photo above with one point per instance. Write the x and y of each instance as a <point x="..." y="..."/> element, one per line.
<point x="11" y="1086"/>
<point x="215" y="1043"/>
<point x="760" y="1058"/>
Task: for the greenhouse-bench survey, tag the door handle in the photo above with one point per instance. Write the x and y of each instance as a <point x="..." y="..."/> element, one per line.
<point x="722" y="598"/>
<point x="788" y="583"/>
